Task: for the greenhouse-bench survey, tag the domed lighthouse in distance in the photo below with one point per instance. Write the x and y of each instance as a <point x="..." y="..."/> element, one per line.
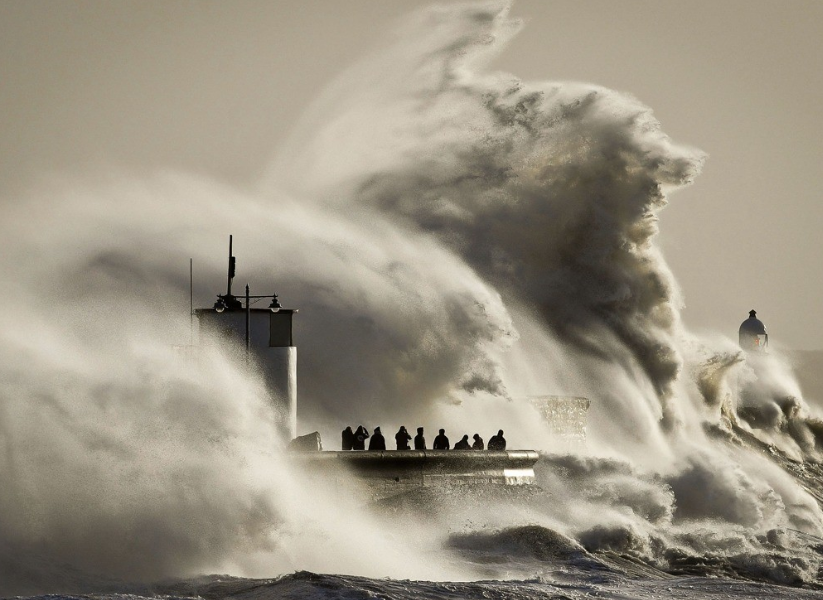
<point x="752" y="334"/>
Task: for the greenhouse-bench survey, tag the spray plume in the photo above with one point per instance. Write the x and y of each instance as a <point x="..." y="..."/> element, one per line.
<point x="456" y="240"/>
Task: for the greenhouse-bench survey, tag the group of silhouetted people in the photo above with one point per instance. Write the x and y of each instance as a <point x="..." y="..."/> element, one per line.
<point x="356" y="440"/>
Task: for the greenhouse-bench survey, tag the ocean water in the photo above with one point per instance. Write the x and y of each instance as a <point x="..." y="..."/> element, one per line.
<point x="691" y="560"/>
<point x="577" y="583"/>
<point x="458" y="241"/>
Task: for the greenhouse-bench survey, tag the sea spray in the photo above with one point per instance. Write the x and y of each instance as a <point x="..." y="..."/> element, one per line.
<point x="550" y="192"/>
<point x="129" y="461"/>
<point x="456" y="240"/>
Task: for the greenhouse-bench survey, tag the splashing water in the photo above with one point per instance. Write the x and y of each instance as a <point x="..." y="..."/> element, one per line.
<point x="457" y="240"/>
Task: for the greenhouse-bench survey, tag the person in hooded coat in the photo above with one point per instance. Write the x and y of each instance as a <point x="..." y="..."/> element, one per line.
<point x="402" y="438"/>
<point x="498" y="442"/>
<point x="360" y="437"/>
<point x="463" y="444"/>
<point x="478" y="442"/>
<point x="377" y="441"/>
<point x="441" y="442"/>
<point x="419" y="440"/>
<point x="348" y="439"/>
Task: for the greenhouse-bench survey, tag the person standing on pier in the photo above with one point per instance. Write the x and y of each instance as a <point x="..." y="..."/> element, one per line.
<point x="419" y="440"/>
<point x="441" y="442"/>
<point x="348" y="439"/>
<point x="498" y="442"/>
<point x="402" y="438"/>
<point x="463" y="444"/>
<point x="377" y="441"/>
<point x="360" y="437"/>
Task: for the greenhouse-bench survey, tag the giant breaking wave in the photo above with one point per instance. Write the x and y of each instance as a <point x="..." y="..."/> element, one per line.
<point x="457" y="240"/>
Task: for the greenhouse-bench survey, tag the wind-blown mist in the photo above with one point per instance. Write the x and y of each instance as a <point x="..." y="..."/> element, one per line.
<point x="456" y="240"/>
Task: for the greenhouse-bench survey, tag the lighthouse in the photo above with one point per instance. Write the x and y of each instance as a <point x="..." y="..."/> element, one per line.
<point x="752" y="334"/>
<point x="264" y="335"/>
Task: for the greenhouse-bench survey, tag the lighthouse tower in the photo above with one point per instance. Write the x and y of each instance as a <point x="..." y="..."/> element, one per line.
<point x="265" y="336"/>
<point x="752" y="334"/>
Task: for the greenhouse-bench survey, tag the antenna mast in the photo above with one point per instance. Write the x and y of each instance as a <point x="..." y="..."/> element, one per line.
<point x="191" y="302"/>
<point x="232" y="268"/>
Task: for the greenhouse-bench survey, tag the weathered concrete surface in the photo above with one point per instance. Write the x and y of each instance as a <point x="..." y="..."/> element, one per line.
<point x="391" y="472"/>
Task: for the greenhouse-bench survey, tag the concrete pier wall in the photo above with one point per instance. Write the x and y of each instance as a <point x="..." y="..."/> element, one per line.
<point x="390" y="472"/>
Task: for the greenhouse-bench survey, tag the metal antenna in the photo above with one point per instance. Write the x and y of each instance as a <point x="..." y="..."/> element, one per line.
<point x="232" y="268"/>
<point x="191" y="302"/>
<point x="248" y="324"/>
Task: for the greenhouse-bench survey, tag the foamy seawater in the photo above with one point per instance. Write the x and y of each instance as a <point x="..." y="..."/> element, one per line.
<point x="586" y="585"/>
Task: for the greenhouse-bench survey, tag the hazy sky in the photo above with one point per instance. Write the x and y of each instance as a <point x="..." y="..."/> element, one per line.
<point x="213" y="86"/>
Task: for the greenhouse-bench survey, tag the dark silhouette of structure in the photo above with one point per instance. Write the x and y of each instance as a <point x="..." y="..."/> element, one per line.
<point x="441" y="442"/>
<point x="402" y="439"/>
<point x="752" y="335"/>
<point x="497" y="442"/>
<point x="360" y="437"/>
<point x="266" y="334"/>
<point x="419" y="440"/>
<point x="377" y="441"/>
<point x="478" y="442"/>
<point x="310" y="442"/>
<point x="463" y="444"/>
<point x="348" y="439"/>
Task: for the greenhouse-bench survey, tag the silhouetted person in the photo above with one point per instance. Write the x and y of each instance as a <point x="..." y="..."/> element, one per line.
<point x="419" y="440"/>
<point x="360" y="438"/>
<point x="377" y="441"/>
<point x="463" y="444"/>
<point x="441" y="442"/>
<point x="402" y="438"/>
<point x="348" y="439"/>
<point x="478" y="442"/>
<point x="498" y="442"/>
